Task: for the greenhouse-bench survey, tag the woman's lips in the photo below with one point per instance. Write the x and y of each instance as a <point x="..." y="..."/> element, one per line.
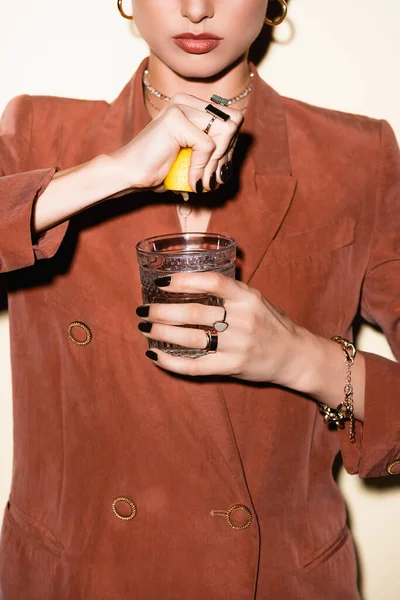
<point x="197" y="44"/>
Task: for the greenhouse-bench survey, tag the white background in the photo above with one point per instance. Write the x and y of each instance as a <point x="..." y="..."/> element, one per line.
<point x="344" y="55"/>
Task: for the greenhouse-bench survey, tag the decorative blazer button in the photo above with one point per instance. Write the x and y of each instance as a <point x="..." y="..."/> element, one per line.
<point x="393" y="467"/>
<point x="124" y="508"/>
<point x="79" y="333"/>
<point x="246" y="518"/>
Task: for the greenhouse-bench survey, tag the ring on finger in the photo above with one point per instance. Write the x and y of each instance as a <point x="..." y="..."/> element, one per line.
<point x="217" y="112"/>
<point x="210" y="123"/>
<point x="212" y="341"/>
<point x="221" y="325"/>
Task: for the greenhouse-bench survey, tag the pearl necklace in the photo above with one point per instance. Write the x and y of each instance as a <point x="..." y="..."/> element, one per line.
<point x="154" y="92"/>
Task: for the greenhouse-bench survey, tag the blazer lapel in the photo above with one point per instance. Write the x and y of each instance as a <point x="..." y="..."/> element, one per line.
<point x="265" y="186"/>
<point x="254" y="218"/>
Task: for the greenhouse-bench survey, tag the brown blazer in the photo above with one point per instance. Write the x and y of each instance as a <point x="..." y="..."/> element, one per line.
<point x="316" y="213"/>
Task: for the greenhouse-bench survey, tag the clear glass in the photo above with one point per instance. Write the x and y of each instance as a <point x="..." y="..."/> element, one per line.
<point x="191" y="252"/>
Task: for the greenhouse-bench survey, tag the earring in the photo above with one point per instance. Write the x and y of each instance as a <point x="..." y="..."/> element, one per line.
<point x="280" y="20"/>
<point x="122" y="12"/>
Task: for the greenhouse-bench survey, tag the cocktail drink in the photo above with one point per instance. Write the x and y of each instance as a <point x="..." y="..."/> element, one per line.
<point x="191" y="252"/>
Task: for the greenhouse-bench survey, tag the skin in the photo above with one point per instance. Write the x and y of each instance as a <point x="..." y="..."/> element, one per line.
<point x="261" y="344"/>
<point x="172" y="70"/>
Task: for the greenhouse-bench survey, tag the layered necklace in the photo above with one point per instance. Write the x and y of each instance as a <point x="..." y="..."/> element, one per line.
<point x="157" y="94"/>
<point x="185" y="211"/>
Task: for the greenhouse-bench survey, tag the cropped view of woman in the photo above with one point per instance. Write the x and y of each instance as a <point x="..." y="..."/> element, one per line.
<point x="140" y="474"/>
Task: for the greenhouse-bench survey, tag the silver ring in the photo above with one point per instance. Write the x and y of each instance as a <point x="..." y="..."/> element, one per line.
<point x="212" y="342"/>
<point x="207" y="129"/>
<point x="221" y="325"/>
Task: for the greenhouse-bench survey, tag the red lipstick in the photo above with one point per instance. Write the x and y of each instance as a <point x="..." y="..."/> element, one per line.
<point x="197" y="43"/>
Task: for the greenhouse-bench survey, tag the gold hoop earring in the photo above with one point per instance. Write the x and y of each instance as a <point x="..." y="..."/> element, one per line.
<point x="122" y="12"/>
<point x="280" y="20"/>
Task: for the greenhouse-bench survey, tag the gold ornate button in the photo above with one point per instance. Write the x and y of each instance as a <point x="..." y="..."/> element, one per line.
<point x="249" y="516"/>
<point x="130" y="503"/>
<point x="392" y="464"/>
<point x="86" y="339"/>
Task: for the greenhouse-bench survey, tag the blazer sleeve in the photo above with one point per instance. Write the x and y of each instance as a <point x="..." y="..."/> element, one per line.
<point x="378" y="445"/>
<point x="19" y="189"/>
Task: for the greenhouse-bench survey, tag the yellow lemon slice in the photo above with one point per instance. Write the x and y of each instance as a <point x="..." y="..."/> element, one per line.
<point x="177" y="178"/>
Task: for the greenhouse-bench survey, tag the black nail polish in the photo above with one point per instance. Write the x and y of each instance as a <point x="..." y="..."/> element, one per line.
<point x="224" y="173"/>
<point x="152" y="355"/>
<point x="163" y="281"/>
<point x="199" y="186"/>
<point x="143" y="311"/>
<point x="229" y="169"/>
<point x="145" y="327"/>
<point x="213" y="181"/>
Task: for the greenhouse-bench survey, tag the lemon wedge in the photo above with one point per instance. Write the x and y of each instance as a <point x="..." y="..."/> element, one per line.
<point x="177" y="178"/>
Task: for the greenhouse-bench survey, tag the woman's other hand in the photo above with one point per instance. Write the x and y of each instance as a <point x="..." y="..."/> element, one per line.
<point x="261" y="343"/>
<point x="146" y="160"/>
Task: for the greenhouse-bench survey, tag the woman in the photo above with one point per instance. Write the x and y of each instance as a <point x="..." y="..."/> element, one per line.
<point x="133" y="481"/>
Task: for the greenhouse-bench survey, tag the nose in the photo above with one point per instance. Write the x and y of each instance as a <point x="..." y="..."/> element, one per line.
<point x="197" y="10"/>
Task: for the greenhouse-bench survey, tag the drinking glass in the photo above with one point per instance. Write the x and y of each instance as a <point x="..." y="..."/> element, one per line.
<point x="173" y="253"/>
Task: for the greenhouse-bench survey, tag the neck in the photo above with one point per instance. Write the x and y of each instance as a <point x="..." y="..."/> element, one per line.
<point x="227" y="84"/>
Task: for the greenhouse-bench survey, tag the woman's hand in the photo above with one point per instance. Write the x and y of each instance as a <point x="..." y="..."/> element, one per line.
<point x="147" y="159"/>
<point x="145" y="162"/>
<point x="261" y="343"/>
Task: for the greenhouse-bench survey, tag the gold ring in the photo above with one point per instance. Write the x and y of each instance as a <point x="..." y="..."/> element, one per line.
<point x="212" y="341"/>
<point x="245" y="510"/>
<point x="127" y="501"/>
<point x="85" y="329"/>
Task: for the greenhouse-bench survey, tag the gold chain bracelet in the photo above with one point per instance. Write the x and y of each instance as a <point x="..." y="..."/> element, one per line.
<point x="345" y="410"/>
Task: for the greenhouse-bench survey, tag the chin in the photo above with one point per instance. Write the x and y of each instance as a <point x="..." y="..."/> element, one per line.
<point x="199" y="66"/>
<point x="202" y="72"/>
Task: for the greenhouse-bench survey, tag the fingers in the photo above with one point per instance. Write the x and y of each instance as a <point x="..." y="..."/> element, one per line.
<point x="147" y="159"/>
<point x="184" y="314"/>
<point x="195" y="103"/>
<point x="218" y="168"/>
<point x="220" y="164"/>
<point x="188" y="337"/>
<point x="210" y="364"/>
<point x="188" y="135"/>
<point x="185" y="325"/>
<point x="211" y="282"/>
